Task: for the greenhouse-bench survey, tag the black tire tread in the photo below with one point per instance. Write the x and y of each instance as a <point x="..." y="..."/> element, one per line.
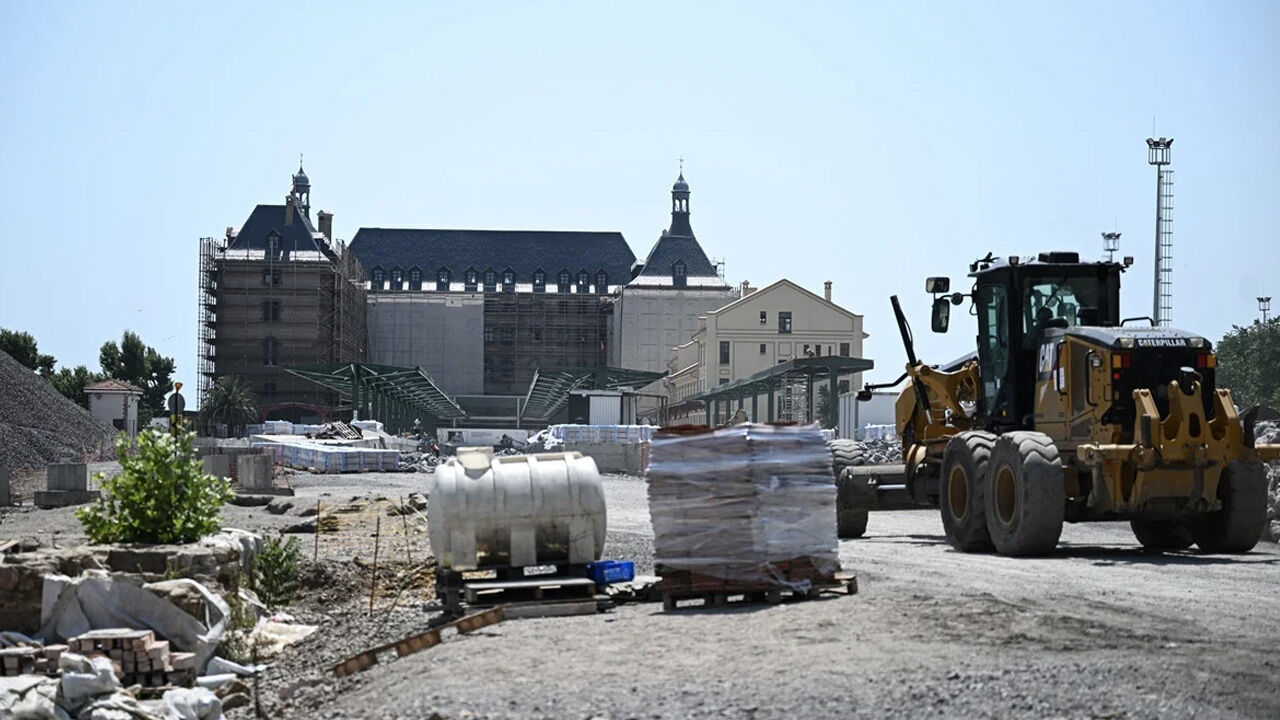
<point x="972" y="536"/>
<point x="1238" y="526"/>
<point x="1042" y="500"/>
<point x="1162" y="534"/>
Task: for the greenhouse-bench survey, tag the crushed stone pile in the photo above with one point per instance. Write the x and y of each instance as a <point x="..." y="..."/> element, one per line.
<point x="39" y="426"/>
<point x="885" y="451"/>
<point x="1268" y="433"/>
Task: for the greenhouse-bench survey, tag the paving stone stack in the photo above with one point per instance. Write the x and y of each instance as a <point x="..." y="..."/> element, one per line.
<point x="35" y="660"/>
<point x="138" y="658"/>
<point x="749" y="507"/>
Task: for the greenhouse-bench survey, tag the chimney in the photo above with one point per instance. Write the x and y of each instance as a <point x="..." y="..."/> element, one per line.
<point x="826" y="290"/>
<point x="746" y="289"/>
<point x="326" y="224"/>
<point x="288" y="210"/>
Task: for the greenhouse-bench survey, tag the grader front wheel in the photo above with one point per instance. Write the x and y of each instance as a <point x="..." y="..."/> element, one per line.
<point x="1237" y="527"/>
<point x="1162" y="534"/>
<point x="1026" y="496"/>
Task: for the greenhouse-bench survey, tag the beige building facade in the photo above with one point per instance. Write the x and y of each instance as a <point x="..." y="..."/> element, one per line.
<point x="777" y="323"/>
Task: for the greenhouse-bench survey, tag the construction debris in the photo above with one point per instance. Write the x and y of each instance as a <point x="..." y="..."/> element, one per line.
<point x="421" y="641"/>
<point x="39" y="426"/>
<point x="745" y="509"/>
<point x="337" y="431"/>
<point x="1267" y="433"/>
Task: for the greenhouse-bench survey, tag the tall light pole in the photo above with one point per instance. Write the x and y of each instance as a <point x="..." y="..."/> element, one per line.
<point x="1264" y="305"/>
<point x="1162" y="292"/>
<point x="1110" y="244"/>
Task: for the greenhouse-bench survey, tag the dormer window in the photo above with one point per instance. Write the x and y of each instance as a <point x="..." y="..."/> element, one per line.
<point x="562" y="282"/>
<point x="397" y="279"/>
<point x="602" y="282"/>
<point x="377" y="278"/>
<point x="539" y="281"/>
<point x="508" y="281"/>
<point x="470" y="278"/>
<point x="678" y="277"/>
<point x="442" y="280"/>
<point x="415" y="279"/>
<point x="490" y="281"/>
<point x="584" y="282"/>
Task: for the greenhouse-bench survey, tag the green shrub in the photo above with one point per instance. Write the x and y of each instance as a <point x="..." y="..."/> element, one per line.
<point x="275" y="571"/>
<point x="162" y="495"/>
<point x="237" y="640"/>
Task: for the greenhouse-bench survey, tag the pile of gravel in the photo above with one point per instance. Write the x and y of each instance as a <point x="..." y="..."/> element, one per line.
<point x="1268" y="433"/>
<point x="39" y="426"/>
<point x="881" y="452"/>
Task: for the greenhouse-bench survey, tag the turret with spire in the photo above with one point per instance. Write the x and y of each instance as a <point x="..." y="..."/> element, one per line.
<point x="302" y="189"/>
<point x="680" y="207"/>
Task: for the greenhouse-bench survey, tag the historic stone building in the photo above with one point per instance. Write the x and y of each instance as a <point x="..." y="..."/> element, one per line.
<point x="481" y="310"/>
<point x="659" y="307"/>
<point x="280" y="292"/>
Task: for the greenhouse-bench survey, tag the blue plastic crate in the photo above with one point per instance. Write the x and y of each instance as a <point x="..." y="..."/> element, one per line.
<point x="606" y="572"/>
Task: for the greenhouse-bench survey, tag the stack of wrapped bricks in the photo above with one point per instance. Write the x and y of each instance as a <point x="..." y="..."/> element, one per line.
<point x="743" y="509"/>
<point x="139" y="658"/>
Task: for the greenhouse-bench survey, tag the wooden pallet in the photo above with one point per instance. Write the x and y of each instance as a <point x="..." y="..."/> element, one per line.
<point x="421" y="641"/>
<point x="718" y="592"/>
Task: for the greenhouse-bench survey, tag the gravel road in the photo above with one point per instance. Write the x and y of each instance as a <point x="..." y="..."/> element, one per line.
<point x="1098" y="630"/>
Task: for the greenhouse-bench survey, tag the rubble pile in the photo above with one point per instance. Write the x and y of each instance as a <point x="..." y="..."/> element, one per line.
<point x="423" y="462"/>
<point x="1269" y="433"/>
<point x="39" y="426"/>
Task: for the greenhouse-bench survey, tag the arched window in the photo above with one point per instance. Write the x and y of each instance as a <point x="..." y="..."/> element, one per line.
<point x="442" y="280"/>
<point x="602" y="282"/>
<point x="508" y="281"/>
<point x="397" y="279"/>
<point x="562" y="283"/>
<point x="678" y="277"/>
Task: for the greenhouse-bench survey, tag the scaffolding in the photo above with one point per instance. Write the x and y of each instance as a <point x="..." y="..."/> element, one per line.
<point x="263" y="308"/>
<point x="525" y="331"/>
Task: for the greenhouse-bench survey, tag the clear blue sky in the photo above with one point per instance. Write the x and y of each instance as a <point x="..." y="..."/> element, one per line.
<point x="867" y="144"/>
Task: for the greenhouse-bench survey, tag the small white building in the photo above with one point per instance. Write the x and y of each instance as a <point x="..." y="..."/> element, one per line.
<point x="115" y="402"/>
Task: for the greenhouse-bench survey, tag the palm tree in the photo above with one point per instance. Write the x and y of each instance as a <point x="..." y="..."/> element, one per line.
<point x="230" y="402"/>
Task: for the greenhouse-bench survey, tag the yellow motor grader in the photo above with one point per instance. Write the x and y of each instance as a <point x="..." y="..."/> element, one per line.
<point x="1066" y="413"/>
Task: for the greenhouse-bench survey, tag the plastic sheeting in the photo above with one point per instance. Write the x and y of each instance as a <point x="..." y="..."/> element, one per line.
<point x="752" y="504"/>
<point x="94" y="601"/>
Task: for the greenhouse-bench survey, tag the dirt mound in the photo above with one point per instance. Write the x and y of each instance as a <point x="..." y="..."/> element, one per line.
<point x="39" y="426"/>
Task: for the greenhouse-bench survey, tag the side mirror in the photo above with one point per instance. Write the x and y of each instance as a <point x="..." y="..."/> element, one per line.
<point x="937" y="285"/>
<point x="941" y="314"/>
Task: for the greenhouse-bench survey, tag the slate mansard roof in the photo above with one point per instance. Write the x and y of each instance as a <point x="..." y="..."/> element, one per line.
<point x="671" y="249"/>
<point x="298" y="236"/>
<point x="522" y="251"/>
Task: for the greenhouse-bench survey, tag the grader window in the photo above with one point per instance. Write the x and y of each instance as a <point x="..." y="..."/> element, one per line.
<point x="1046" y="300"/>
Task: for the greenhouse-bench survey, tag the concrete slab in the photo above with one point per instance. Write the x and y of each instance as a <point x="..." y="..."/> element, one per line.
<point x="254" y="471"/>
<point x="67" y="476"/>
<point x="218" y="465"/>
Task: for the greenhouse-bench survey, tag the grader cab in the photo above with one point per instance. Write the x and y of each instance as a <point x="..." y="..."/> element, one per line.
<point x="1067" y="413"/>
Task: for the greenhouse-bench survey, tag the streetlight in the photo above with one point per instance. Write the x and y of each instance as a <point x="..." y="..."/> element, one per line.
<point x="1264" y="305"/>
<point x="1111" y="243"/>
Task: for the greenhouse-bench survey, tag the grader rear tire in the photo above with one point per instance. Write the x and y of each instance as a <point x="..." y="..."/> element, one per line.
<point x="1026" y="495"/>
<point x="962" y="494"/>
<point x="1238" y="526"/>
<point x="853" y="502"/>
<point x="844" y="453"/>
<point x="1162" y="534"/>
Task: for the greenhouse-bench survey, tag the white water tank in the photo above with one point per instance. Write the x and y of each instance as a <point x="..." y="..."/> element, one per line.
<point x="516" y="511"/>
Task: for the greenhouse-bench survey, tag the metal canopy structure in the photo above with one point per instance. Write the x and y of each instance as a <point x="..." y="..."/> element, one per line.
<point x="549" y="390"/>
<point x="395" y="395"/>
<point x="768" y="382"/>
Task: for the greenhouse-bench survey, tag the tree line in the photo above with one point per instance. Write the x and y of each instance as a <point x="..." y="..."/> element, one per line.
<point x="129" y="359"/>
